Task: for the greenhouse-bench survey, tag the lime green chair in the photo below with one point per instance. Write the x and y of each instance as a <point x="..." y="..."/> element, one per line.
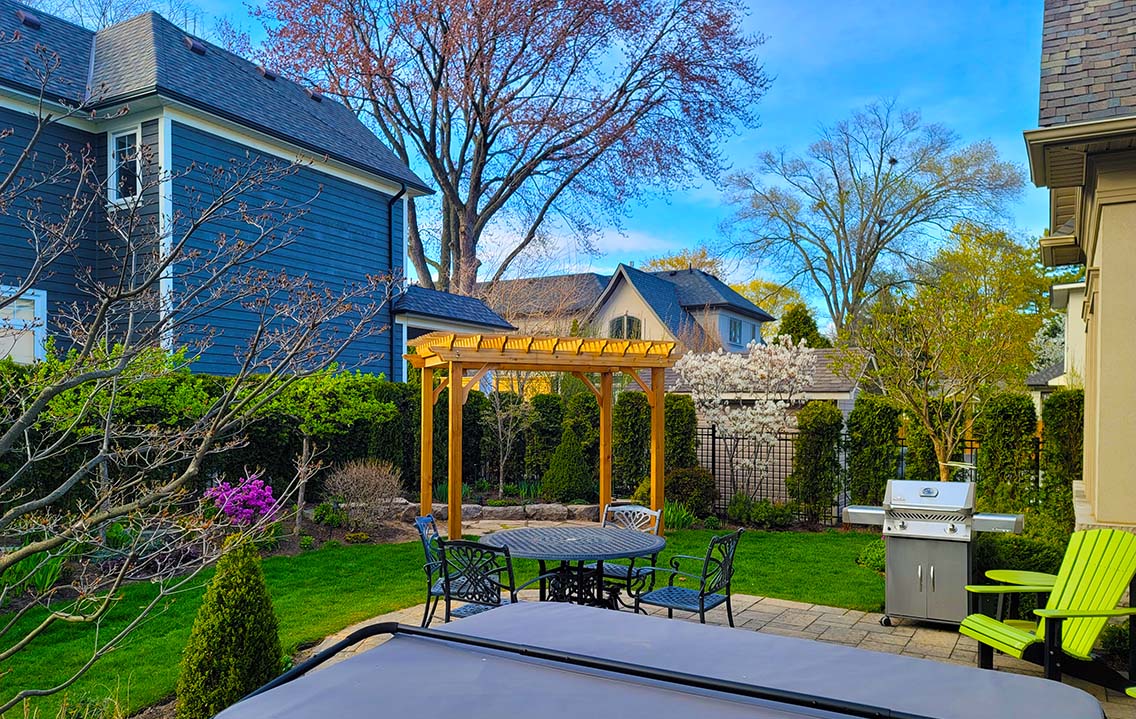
<point x="1098" y="566"/>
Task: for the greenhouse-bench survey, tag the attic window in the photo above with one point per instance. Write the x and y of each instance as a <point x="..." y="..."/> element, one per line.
<point x="268" y="74"/>
<point x="28" y="19"/>
<point x="315" y="94"/>
<point x="194" y="45"/>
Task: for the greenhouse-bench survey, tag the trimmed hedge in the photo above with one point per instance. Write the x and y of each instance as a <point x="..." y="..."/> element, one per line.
<point x="582" y="416"/>
<point x="873" y="458"/>
<point x="1006" y="430"/>
<point x="817" y="473"/>
<point x="681" y="449"/>
<point x="693" y="487"/>
<point x="631" y="441"/>
<point x="1062" y="454"/>
<point x="542" y="436"/>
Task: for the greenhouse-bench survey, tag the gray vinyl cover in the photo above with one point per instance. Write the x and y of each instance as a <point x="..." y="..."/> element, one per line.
<point x="408" y="677"/>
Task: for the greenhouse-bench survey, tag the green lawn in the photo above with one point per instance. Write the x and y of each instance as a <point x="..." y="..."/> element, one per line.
<point x="320" y="592"/>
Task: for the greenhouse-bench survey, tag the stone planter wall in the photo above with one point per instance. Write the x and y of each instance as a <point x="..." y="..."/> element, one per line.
<point x="407" y="511"/>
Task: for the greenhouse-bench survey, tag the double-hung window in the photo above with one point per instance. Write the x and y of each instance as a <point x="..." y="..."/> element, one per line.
<point x="626" y="328"/>
<point x="23" y="326"/>
<point x="125" y="166"/>
<point x="735" y="331"/>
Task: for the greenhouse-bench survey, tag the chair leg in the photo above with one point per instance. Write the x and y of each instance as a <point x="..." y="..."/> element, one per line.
<point x="985" y="656"/>
<point x="433" y="610"/>
<point x="729" y="610"/>
<point x="670" y="614"/>
<point x="1053" y="649"/>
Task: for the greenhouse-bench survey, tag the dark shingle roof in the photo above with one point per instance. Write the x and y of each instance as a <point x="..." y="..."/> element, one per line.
<point x="561" y="295"/>
<point x="443" y="305"/>
<point x="147" y="55"/>
<point x="18" y="61"/>
<point x="1042" y="376"/>
<point x="664" y="297"/>
<point x="702" y="289"/>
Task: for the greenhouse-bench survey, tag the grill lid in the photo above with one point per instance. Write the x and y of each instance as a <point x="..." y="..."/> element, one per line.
<point x="937" y="497"/>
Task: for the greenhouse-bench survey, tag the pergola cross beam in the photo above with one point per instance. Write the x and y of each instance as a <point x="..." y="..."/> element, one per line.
<point x="458" y="353"/>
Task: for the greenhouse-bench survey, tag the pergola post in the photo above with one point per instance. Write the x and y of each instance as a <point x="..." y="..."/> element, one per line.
<point x="454" y="493"/>
<point x="426" y="456"/>
<point x="605" y="402"/>
<point x="658" y="407"/>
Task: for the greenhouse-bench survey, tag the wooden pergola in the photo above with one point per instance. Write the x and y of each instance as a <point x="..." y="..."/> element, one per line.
<point x="469" y="357"/>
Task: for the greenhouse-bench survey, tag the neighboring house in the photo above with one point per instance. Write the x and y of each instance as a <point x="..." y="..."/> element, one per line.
<point x="171" y="110"/>
<point x="545" y="305"/>
<point x="1083" y="151"/>
<point x="1068" y="371"/>
<point x="688" y="306"/>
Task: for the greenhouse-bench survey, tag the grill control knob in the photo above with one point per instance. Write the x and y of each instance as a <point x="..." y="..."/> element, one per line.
<point x="951" y="528"/>
<point x="902" y="524"/>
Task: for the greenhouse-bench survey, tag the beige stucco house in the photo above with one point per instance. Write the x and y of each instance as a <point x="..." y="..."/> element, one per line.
<point x="1069" y="371"/>
<point x="1084" y="151"/>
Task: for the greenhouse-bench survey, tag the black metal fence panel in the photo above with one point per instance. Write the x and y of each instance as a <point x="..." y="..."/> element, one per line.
<point x="762" y="469"/>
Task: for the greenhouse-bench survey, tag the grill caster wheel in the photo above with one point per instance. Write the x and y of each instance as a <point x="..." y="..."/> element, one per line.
<point x="885" y="621"/>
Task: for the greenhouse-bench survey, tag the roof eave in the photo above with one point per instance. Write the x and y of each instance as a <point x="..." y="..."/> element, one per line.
<point x="414" y="188"/>
<point x="450" y="318"/>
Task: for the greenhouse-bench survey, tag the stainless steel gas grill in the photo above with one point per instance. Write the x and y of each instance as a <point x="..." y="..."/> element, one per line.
<point x="929" y="529"/>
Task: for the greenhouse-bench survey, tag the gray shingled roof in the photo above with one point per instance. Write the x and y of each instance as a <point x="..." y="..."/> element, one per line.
<point x="562" y="295"/>
<point x="701" y="289"/>
<point x="1042" y="377"/>
<point x="663" y="296"/>
<point x="147" y="55"/>
<point x="445" y="306"/>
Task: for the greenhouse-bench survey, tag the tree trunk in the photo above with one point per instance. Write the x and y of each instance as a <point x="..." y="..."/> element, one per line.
<point x="302" y="483"/>
<point x="943" y="455"/>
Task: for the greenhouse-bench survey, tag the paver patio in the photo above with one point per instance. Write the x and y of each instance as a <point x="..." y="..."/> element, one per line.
<point x="826" y="624"/>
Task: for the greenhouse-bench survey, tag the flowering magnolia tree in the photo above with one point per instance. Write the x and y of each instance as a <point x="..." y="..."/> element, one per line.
<point x="747" y="396"/>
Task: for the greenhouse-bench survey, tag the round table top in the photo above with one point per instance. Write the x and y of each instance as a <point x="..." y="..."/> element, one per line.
<point x="1021" y="577"/>
<point x="576" y="544"/>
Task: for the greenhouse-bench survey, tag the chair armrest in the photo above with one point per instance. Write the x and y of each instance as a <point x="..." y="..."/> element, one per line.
<point x="534" y="580"/>
<point x="1085" y="613"/>
<point x="674" y="573"/>
<point x="1007" y="589"/>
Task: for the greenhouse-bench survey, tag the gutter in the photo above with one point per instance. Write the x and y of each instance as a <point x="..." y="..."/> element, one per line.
<point x="390" y="237"/>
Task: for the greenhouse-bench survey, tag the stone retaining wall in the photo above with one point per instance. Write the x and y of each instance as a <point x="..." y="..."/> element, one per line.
<point x="407" y="511"/>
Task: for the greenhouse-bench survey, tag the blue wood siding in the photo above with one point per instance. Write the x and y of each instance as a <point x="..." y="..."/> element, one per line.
<point x="343" y="237"/>
<point x="16" y="253"/>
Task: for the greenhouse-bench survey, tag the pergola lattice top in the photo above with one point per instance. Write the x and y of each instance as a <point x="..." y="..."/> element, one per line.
<point x="480" y="354"/>
<point x="549" y="354"/>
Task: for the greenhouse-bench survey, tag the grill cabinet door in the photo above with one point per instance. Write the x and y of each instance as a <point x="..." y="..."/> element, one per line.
<point x="947" y="574"/>
<point x="907" y="577"/>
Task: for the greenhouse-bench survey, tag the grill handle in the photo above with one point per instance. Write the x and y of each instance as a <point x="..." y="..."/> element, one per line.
<point x="919" y="571"/>
<point x="932" y="577"/>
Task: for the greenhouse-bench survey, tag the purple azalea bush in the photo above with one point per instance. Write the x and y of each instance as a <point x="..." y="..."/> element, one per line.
<point x="244" y="503"/>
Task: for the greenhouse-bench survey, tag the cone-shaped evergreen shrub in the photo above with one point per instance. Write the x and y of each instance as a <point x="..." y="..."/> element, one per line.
<point x="569" y="476"/>
<point x="234" y="647"/>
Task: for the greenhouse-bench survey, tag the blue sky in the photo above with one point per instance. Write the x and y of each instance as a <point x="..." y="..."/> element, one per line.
<point x="972" y="65"/>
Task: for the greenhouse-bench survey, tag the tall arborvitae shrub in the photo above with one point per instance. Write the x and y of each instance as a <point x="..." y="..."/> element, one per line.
<point x="816" y="475"/>
<point x="919" y="460"/>
<point x="873" y="451"/>
<point x="1062" y="453"/>
<point x="582" y="416"/>
<point x="234" y="646"/>
<point x="631" y="441"/>
<point x="568" y="478"/>
<point x="681" y="448"/>
<point x="1006" y="430"/>
<point x="542" y="436"/>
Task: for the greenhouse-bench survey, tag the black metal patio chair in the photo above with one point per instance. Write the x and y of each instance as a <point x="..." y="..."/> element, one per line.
<point x="634" y="575"/>
<point x="479" y="575"/>
<point x="428" y="533"/>
<point x="713" y="583"/>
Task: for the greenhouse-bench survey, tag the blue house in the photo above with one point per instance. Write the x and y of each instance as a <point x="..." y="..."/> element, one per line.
<point x="164" y="112"/>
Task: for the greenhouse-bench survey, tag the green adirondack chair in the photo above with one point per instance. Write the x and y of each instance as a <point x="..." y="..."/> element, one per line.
<point x="1098" y="566"/>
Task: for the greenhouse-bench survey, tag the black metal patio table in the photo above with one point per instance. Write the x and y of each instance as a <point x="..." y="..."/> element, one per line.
<point x="572" y="547"/>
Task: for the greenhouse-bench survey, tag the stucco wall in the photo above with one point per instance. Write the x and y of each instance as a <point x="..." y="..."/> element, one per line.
<point x="625" y="300"/>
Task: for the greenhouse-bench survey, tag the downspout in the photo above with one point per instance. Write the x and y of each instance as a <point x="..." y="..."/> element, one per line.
<point x="390" y="236"/>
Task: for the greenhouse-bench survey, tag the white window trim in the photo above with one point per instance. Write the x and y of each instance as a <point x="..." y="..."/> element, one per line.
<point x="38" y="325"/>
<point x="112" y="166"/>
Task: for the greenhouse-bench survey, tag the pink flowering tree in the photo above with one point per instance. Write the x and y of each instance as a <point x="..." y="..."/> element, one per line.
<point x="747" y="396"/>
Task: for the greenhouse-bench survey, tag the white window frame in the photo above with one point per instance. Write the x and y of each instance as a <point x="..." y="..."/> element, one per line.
<point x="112" y="164"/>
<point x="38" y="325"/>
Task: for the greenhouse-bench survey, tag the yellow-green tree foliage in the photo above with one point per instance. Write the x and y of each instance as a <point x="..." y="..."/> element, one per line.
<point x="963" y="327"/>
